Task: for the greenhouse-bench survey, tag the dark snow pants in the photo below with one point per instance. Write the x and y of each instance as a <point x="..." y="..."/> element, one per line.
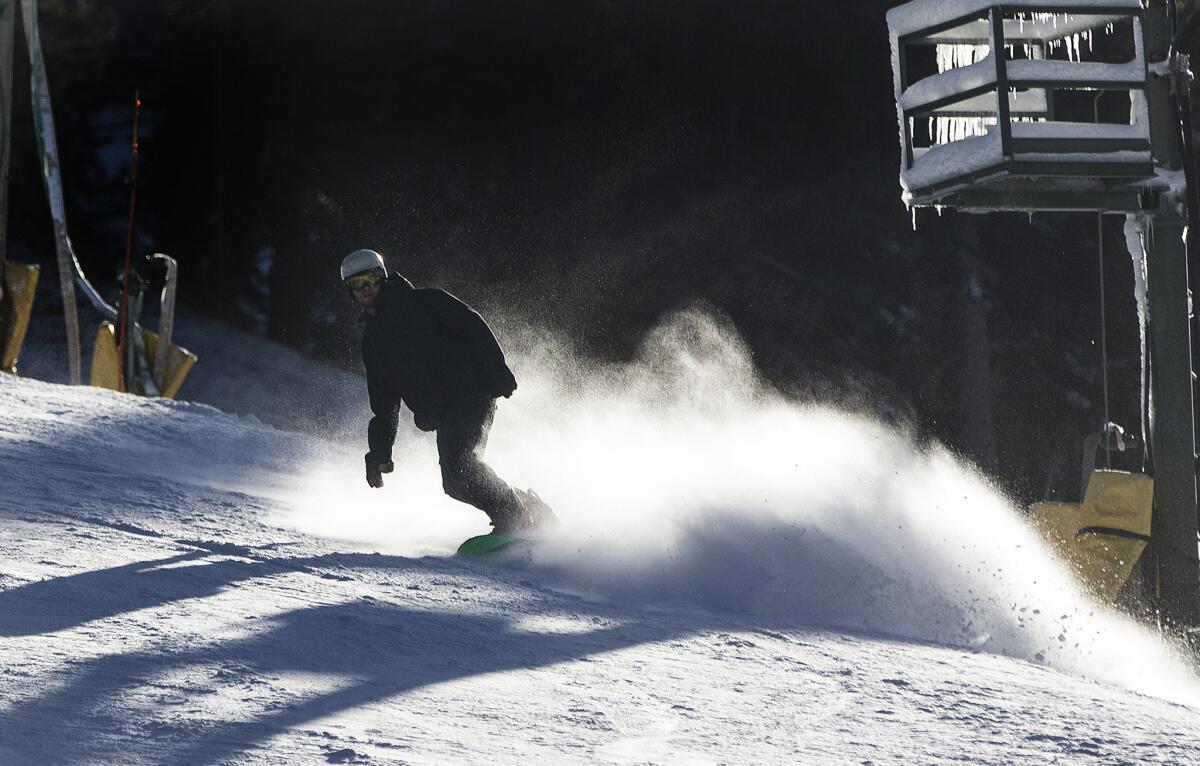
<point x="461" y="439"/>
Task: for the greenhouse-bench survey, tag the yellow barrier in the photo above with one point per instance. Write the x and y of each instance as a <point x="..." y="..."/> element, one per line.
<point x="20" y="284"/>
<point x="1102" y="537"/>
<point x="104" y="361"/>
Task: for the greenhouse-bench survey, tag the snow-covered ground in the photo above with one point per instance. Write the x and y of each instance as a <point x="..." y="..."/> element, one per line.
<point x="738" y="579"/>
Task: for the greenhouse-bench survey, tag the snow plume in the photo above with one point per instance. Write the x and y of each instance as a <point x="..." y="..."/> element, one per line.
<point x="683" y="481"/>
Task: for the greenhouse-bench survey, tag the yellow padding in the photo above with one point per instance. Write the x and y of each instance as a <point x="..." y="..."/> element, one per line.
<point x="1115" y="500"/>
<point x="104" y="361"/>
<point x="20" y="283"/>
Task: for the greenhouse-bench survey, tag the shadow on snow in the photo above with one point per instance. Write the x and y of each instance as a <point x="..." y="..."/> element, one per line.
<point x="381" y="650"/>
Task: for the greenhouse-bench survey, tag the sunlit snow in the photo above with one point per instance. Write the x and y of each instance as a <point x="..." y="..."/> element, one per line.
<point x="738" y="578"/>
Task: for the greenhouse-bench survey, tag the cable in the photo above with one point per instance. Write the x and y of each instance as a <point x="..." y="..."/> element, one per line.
<point x="1103" y="344"/>
<point x="1104" y="429"/>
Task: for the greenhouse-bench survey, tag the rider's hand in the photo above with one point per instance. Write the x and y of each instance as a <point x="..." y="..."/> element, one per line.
<point x="374" y="479"/>
<point x="375" y="473"/>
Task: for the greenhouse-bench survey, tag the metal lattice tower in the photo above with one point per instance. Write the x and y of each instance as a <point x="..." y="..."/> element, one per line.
<point x="999" y="110"/>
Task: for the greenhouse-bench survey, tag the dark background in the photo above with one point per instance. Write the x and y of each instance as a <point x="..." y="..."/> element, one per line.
<point x="589" y="165"/>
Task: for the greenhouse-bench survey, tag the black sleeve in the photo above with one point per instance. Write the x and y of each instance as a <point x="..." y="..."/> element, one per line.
<point x="381" y="432"/>
<point x="483" y="346"/>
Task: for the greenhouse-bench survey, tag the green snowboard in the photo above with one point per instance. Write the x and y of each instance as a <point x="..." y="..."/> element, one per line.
<point x="541" y="517"/>
<point x="484" y="545"/>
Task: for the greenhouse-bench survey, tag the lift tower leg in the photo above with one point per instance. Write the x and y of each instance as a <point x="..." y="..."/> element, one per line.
<point x="1172" y="425"/>
<point x="1172" y="431"/>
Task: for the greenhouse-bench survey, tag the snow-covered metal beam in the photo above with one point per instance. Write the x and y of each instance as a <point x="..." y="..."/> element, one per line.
<point x="966" y="82"/>
<point x="1019" y="31"/>
<point x="927" y="17"/>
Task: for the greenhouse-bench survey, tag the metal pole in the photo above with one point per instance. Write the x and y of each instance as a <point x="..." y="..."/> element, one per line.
<point x="1172" y="425"/>
<point x="43" y="117"/>
<point x="8" y="21"/>
<point x="1002" y="111"/>
<point x="166" y="320"/>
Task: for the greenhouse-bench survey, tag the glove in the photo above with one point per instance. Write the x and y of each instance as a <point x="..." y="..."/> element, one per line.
<point x="375" y="473"/>
<point x="374" y="479"/>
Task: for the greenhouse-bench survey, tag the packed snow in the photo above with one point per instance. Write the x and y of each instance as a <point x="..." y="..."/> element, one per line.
<point x="739" y="578"/>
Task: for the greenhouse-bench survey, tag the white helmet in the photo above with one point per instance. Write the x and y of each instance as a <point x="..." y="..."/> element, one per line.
<point x="360" y="261"/>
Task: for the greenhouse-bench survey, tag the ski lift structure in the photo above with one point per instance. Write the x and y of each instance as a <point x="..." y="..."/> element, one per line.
<point x="1070" y="106"/>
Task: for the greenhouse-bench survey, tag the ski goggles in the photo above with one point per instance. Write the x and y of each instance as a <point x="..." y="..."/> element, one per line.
<point x="360" y="282"/>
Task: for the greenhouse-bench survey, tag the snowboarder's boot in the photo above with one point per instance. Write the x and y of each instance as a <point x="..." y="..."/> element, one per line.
<point x="513" y="518"/>
<point x="526" y="513"/>
<point x="541" y="515"/>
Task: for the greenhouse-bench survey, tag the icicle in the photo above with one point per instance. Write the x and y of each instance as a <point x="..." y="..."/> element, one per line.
<point x="914" y="214"/>
<point x="1138" y="110"/>
<point x="1135" y="242"/>
<point x="949" y="129"/>
<point x="955" y="55"/>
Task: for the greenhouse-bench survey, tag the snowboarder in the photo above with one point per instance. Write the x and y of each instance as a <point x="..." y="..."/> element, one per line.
<point x="434" y="353"/>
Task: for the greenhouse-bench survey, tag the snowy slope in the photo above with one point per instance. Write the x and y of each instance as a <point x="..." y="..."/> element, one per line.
<point x="238" y="372"/>
<point x="738" y="580"/>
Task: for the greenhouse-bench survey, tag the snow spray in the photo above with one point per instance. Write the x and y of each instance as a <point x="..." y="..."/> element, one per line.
<point x="683" y="481"/>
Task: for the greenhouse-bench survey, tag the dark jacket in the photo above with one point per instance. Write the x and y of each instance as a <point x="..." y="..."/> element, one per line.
<point x="427" y="349"/>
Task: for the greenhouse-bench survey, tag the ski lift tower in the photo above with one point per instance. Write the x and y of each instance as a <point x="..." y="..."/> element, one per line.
<point x="999" y="110"/>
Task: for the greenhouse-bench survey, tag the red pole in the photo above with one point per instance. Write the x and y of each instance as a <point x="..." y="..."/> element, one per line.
<point x="123" y="331"/>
